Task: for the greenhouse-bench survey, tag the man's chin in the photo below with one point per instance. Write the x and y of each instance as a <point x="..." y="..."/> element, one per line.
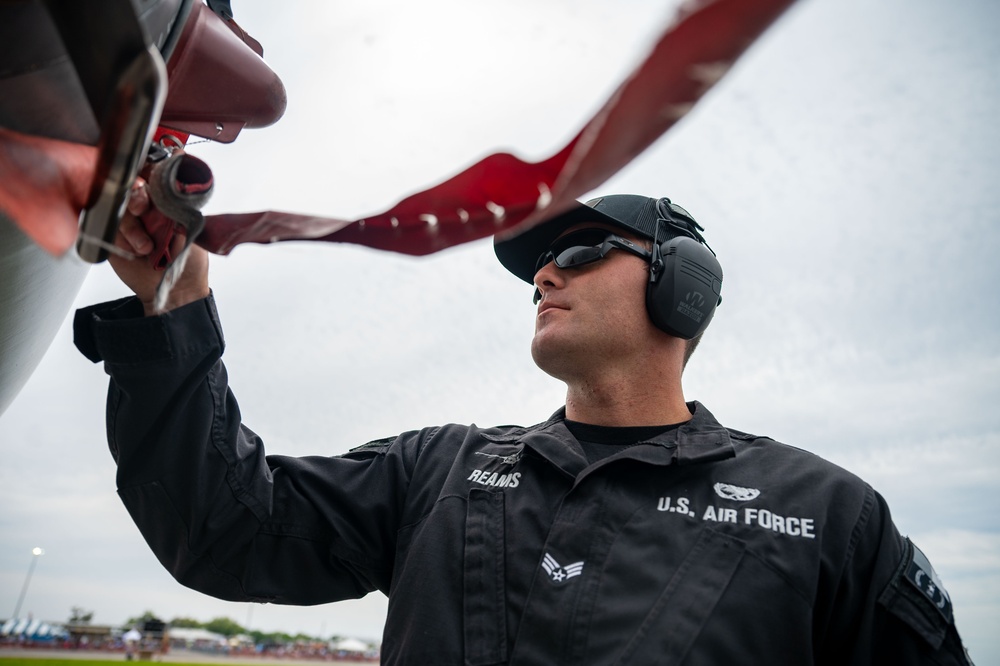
<point x="554" y="357"/>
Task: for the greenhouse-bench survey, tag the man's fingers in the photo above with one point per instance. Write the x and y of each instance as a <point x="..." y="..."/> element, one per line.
<point x="138" y="200"/>
<point x="132" y="235"/>
<point x="135" y="236"/>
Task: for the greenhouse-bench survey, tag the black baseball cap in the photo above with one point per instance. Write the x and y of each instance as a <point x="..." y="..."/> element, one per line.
<point x="631" y="212"/>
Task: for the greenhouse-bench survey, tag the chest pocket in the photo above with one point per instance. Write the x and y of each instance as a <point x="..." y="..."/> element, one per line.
<point x="682" y="608"/>
<point x="485" y="613"/>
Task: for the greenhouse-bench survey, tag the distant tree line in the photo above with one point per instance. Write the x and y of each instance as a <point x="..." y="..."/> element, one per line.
<point x="78" y="615"/>
<point x="224" y="626"/>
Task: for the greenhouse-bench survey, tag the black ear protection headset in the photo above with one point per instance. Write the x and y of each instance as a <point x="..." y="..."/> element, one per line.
<point x="685" y="277"/>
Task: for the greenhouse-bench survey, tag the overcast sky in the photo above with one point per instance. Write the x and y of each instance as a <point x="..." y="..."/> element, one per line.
<point x="845" y="171"/>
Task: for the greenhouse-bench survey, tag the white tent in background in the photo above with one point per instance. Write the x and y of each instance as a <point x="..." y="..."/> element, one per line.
<point x="196" y="637"/>
<point x="24" y="626"/>
<point x="351" y="645"/>
<point x="30" y="628"/>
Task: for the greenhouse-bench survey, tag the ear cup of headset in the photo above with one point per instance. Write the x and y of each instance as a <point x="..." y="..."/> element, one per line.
<point x="682" y="296"/>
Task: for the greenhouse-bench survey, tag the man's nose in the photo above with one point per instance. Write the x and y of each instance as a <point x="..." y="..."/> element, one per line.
<point x="549" y="276"/>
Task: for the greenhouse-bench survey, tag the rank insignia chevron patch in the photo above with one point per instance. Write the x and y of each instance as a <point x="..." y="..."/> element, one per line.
<point x="560" y="574"/>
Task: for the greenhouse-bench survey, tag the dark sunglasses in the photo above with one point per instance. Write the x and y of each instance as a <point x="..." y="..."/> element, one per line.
<point x="585" y="247"/>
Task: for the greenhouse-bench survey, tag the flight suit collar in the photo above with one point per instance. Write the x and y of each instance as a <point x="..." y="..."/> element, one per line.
<point x="700" y="440"/>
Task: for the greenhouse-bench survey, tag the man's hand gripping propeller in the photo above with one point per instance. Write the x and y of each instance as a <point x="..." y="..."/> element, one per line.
<point x="163" y="219"/>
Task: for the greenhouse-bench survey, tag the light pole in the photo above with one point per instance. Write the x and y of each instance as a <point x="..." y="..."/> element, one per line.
<point x="36" y="552"/>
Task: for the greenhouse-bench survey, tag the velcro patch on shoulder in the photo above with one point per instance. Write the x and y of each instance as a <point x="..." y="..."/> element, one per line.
<point x="921" y="575"/>
<point x="916" y="596"/>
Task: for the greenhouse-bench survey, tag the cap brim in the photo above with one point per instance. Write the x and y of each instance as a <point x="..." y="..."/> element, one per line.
<point x="520" y="253"/>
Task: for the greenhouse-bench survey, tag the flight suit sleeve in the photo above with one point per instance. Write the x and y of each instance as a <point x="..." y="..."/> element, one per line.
<point x="221" y="516"/>
<point x="891" y="608"/>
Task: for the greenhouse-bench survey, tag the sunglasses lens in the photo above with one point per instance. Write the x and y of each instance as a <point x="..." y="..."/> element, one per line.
<point x="575" y="249"/>
<point x="578" y="255"/>
<point x="542" y="260"/>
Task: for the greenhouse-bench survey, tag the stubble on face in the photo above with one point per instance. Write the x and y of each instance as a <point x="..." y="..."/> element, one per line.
<point x="592" y="318"/>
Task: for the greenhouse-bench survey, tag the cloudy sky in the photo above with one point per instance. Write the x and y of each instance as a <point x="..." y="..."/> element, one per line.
<point x="845" y="171"/>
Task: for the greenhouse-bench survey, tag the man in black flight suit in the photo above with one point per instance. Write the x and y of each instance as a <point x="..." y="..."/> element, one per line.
<point x="629" y="528"/>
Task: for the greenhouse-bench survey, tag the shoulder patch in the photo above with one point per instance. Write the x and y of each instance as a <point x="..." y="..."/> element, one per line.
<point x="916" y="597"/>
<point x="922" y="576"/>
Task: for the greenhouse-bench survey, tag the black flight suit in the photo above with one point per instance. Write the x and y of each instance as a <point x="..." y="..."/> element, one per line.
<point x="504" y="545"/>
